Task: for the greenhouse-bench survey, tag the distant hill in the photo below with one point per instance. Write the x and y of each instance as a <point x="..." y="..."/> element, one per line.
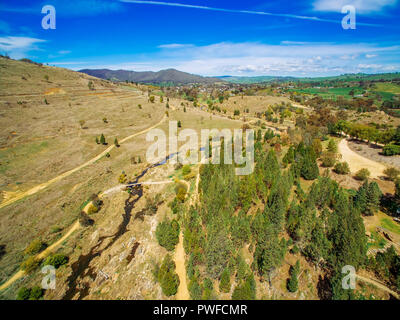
<point x="344" y="77"/>
<point x="164" y="76"/>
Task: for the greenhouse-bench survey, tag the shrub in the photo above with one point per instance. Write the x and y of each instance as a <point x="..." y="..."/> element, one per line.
<point x="332" y="146"/>
<point x="30" y="264"/>
<point x="362" y="174"/>
<point x="36" y="293"/>
<point x="236" y="112"/>
<point x="391" y="150"/>
<point x="23" y="293"/>
<point x="30" y="294"/>
<point x="225" y="282"/>
<point x="151" y="99"/>
<point x="56" y="260"/>
<point x="342" y="168"/>
<point x="167" y="277"/>
<point x="246" y="290"/>
<point x="35" y="247"/>
<point x="391" y="173"/>
<point x="186" y="169"/>
<point x="292" y="282"/>
<point x="167" y="234"/>
<point x="328" y="159"/>
<point x="84" y="220"/>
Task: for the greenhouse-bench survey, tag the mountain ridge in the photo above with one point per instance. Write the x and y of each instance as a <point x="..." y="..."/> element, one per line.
<point x="163" y="76"/>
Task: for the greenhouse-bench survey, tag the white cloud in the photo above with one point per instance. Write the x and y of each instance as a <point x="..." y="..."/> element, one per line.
<point x="174" y="46"/>
<point x="369" y="56"/>
<point x="251" y="59"/>
<point x="362" y="6"/>
<point x="18" y="47"/>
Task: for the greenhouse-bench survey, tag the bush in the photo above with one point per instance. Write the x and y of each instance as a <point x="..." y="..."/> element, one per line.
<point x="35" y="247"/>
<point x="35" y="293"/>
<point x="167" y="277"/>
<point x="362" y="174"/>
<point x="225" y="282"/>
<point x="23" y="293"/>
<point x="56" y="260"/>
<point x="186" y="170"/>
<point x="391" y="150"/>
<point x="30" y="264"/>
<point x="332" y="146"/>
<point x="391" y="173"/>
<point x="292" y="282"/>
<point x="342" y="168"/>
<point x="167" y="234"/>
<point x="328" y="159"/>
<point x="236" y="112"/>
<point x="245" y="290"/>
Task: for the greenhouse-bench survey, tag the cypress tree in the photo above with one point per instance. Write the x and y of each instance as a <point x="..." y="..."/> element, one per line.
<point x="293" y="283"/>
<point x="102" y="139"/>
<point x="374" y="195"/>
<point x="309" y="169"/>
<point x="225" y="282"/>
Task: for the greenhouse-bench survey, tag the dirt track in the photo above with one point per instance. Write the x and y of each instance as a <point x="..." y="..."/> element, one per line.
<point x="379" y="285"/>
<point x="357" y="162"/>
<point x="44" y="185"/>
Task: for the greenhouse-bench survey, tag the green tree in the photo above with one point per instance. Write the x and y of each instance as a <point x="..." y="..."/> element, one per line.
<point x="225" y="282"/>
<point x="56" y="260"/>
<point x="179" y="124"/>
<point x="293" y="283"/>
<point x="332" y="146"/>
<point x="116" y="142"/>
<point x="245" y="290"/>
<point x="36" y="293"/>
<point x="167" y="277"/>
<point x="23" y="293"/>
<point x="167" y="234"/>
<point x="309" y="169"/>
<point x="102" y="139"/>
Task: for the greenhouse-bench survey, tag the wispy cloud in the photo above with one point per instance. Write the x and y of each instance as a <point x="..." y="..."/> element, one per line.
<point x="263" y="13"/>
<point x="18" y="47"/>
<point x="174" y="46"/>
<point x="362" y="6"/>
<point x="252" y="58"/>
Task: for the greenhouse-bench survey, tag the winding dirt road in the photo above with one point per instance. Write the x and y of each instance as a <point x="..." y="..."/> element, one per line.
<point x="44" y="185"/>
<point x="357" y="162"/>
<point x="180" y="257"/>
<point x="379" y="285"/>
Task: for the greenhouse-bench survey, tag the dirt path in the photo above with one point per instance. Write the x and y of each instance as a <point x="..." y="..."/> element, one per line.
<point x="48" y="250"/>
<point x="357" y="162"/>
<point x="44" y="185"/>
<point x="180" y="257"/>
<point x="379" y="285"/>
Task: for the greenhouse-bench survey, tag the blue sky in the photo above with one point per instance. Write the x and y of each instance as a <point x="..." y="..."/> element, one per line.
<point x="247" y="38"/>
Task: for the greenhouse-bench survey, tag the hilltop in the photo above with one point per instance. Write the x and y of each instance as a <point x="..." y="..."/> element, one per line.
<point x="172" y="76"/>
